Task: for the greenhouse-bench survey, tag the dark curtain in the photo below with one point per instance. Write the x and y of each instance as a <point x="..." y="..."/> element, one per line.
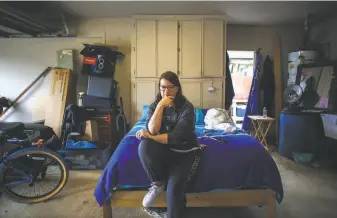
<point x="267" y="85"/>
<point x="229" y="94"/>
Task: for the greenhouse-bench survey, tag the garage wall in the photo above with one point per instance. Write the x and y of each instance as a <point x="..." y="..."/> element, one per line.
<point x="250" y="38"/>
<point x="22" y="60"/>
<point x="326" y="32"/>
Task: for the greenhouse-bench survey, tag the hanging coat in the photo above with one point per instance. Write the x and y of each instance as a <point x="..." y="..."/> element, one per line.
<point x="229" y="90"/>
<point x="267" y="85"/>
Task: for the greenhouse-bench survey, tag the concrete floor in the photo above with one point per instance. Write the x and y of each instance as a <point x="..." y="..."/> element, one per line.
<point x="309" y="193"/>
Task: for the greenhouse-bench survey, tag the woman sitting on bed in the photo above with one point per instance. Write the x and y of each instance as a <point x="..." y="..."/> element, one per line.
<point x="168" y="146"/>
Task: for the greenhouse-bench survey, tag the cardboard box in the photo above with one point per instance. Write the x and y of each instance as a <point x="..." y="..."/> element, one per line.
<point x="91" y="131"/>
<point x="58" y="99"/>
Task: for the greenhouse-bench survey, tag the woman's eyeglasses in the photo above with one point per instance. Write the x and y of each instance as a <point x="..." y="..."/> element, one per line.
<point x="169" y="88"/>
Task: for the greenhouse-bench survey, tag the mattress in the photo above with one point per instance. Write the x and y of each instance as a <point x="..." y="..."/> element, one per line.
<point x="231" y="161"/>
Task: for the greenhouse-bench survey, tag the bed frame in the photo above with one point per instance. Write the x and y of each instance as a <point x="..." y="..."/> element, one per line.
<point x="258" y="197"/>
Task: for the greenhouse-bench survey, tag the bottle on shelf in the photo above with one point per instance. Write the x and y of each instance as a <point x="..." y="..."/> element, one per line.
<point x="265" y="112"/>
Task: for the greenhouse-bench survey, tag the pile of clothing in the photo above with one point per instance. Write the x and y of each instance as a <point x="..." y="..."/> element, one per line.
<point x="219" y="119"/>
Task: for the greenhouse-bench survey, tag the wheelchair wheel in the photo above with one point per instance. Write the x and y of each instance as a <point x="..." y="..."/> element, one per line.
<point x="30" y="175"/>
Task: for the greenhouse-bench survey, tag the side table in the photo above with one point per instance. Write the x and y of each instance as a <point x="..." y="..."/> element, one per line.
<point x="260" y="129"/>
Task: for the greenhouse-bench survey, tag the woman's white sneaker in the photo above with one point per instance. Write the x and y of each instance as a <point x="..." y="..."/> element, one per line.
<point x="151" y="196"/>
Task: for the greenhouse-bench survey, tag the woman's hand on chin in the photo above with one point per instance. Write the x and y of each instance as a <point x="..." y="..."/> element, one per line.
<point x="166" y="101"/>
<point x="142" y="134"/>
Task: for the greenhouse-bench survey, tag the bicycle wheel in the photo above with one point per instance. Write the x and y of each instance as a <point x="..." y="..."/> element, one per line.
<point x="33" y="165"/>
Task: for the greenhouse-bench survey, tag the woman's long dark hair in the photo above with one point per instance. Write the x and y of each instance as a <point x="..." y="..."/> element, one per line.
<point x="172" y="78"/>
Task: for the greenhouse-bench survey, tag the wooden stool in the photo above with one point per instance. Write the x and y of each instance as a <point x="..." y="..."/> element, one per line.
<point x="259" y="128"/>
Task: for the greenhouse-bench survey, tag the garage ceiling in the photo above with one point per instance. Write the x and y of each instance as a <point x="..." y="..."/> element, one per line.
<point x="256" y="13"/>
<point x="41" y="18"/>
<point x="31" y="19"/>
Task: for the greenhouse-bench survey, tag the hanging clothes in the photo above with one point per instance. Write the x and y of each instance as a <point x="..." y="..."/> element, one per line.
<point x="229" y="89"/>
<point x="267" y="85"/>
<point x="253" y="98"/>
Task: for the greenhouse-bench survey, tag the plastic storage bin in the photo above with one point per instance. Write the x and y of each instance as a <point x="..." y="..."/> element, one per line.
<point x="300" y="132"/>
<point x="87" y="159"/>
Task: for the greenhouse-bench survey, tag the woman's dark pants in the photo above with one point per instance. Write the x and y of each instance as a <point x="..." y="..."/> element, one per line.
<point x="162" y="164"/>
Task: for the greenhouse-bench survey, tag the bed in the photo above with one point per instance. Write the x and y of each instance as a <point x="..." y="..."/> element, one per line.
<point x="236" y="171"/>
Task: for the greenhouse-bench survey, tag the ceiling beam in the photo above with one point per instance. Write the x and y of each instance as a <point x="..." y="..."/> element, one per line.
<point x="4" y="34"/>
<point x="25" y="21"/>
<point x="16" y="25"/>
<point x="5" y="9"/>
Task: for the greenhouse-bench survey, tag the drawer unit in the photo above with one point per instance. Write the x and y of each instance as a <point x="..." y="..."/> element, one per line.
<point x="106" y="121"/>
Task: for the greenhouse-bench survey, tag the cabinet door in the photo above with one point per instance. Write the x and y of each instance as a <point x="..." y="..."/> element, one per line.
<point x="192" y="91"/>
<point x="143" y="94"/>
<point x="145" y="48"/>
<point x="167" y="46"/>
<point x="213" y="51"/>
<point x="212" y="99"/>
<point x="190" y="49"/>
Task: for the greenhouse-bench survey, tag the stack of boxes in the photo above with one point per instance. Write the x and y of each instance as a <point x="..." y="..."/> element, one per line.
<point x="99" y="64"/>
<point x="99" y="103"/>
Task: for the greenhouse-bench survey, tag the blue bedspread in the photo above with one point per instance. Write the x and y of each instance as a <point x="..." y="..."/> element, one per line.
<point x="231" y="161"/>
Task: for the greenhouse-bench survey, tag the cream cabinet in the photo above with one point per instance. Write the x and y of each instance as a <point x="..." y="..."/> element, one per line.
<point x="193" y="48"/>
<point x="202" y="48"/>
<point x="190" y="49"/>
<point x="192" y="91"/>
<point x="213" y="48"/>
<point x="144" y="50"/>
<point x="143" y="93"/>
<point x="167" y="47"/>
<point x="214" y="99"/>
<point x="197" y="93"/>
<point x="155" y="48"/>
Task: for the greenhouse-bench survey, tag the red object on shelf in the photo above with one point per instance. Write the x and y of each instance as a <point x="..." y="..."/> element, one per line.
<point x="89" y="60"/>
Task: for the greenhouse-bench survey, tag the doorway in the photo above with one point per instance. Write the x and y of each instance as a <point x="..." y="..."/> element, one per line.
<point x="242" y="69"/>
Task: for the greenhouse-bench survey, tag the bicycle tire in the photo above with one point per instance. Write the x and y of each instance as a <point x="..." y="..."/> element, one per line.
<point x="38" y="199"/>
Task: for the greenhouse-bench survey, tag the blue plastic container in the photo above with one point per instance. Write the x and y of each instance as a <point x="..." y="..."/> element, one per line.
<point x="300" y="132"/>
<point x="87" y="158"/>
<point x="240" y="112"/>
<point x="79" y="145"/>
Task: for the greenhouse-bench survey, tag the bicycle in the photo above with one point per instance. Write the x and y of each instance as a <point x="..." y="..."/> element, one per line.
<point x="27" y="166"/>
